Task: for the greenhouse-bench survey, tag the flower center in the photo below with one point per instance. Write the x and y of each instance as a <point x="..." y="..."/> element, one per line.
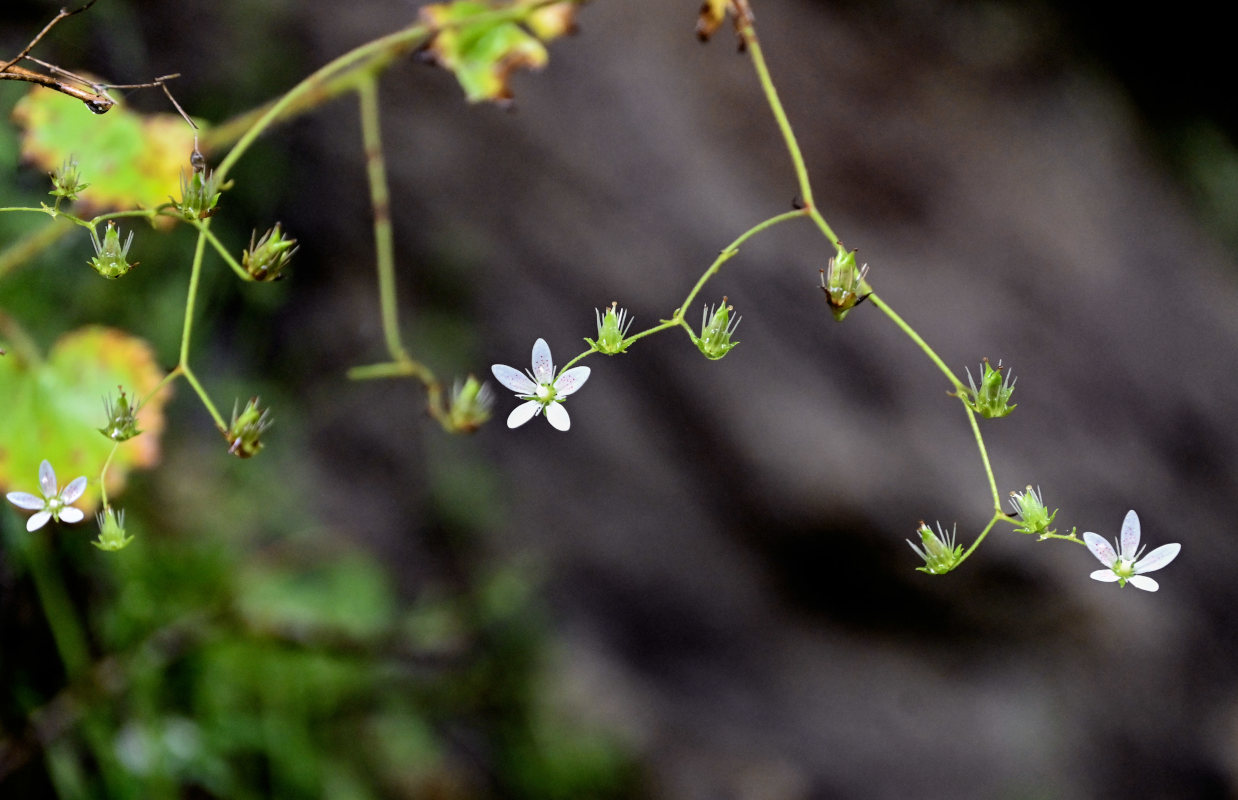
<point x="545" y="393"/>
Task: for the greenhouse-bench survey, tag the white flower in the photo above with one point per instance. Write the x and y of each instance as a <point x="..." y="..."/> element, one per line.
<point x="1126" y="564"/>
<point x="53" y="504"/>
<point x="540" y="388"/>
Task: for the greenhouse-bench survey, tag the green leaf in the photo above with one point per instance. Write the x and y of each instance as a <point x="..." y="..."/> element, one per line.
<point x="54" y="408"/>
<point x="130" y="160"/>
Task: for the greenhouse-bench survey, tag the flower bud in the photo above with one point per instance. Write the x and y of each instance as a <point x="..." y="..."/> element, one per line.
<point x="110" y="255"/>
<point x="199" y="194"/>
<point x="265" y="261"/>
<point x="612" y="329"/>
<point x="1032" y="512"/>
<point x="469" y="407"/>
<point x="112" y="535"/>
<point x="716" y="331"/>
<point x="937" y="549"/>
<point x="65" y="182"/>
<point x="245" y="433"/>
<point x="991" y="399"/>
<point x="843" y="283"/>
<point x="122" y="419"/>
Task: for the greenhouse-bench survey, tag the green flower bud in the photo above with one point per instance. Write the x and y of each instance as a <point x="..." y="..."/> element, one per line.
<point x="265" y="261"/>
<point x="469" y="407"/>
<point x="110" y="255"/>
<point x="1032" y="512"/>
<point x="843" y="284"/>
<point x="65" y="182"/>
<point x="716" y="331"/>
<point x="937" y="549"/>
<point x="991" y="399"/>
<point x="199" y="194"/>
<point x="112" y="535"/>
<point x="612" y="329"/>
<point x="122" y="419"/>
<point x="245" y="433"/>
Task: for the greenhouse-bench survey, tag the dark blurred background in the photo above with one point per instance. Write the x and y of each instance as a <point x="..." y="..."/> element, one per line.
<point x="702" y="590"/>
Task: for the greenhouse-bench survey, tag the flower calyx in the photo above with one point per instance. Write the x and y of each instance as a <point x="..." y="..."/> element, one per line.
<point x="612" y="330"/>
<point x="844" y="284"/>
<point x="1034" y="516"/>
<point x="992" y="398"/>
<point x="265" y="260"/>
<point x="112" y="536"/>
<point x="937" y="549"/>
<point x="244" y="434"/>
<point x="717" y="328"/>
<point x="469" y="406"/>
<point x="111" y="256"/>
<point x="122" y="418"/>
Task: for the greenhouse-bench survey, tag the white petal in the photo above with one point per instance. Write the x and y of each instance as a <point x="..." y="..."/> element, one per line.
<point x="1130" y="534"/>
<point x="73" y="490"/>
<point x="543" y="366"/>
<point x="514" y="379"/>
<point x="1158" y="558"/>
<point x="1140" y="582"/>
<point x="47" y="479"/>
<point x="1104" y="575"/>
<point x="522" y="413"/>
<point x="38" y="520"/>
<point x="26" y="500"/>
<point x="70" y="514"/>
<point x="557" y="416"/>
<point x="571" y="380"/>
<point x="1101" y="549"/>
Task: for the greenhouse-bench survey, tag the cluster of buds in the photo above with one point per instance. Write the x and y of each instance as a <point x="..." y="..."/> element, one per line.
<point x="469" y="408"/>
<point x="1033" y="514"/>
<point x="244" y="435"/>
<point x="112" y="535"/>
<point x="938" y="549"/>
<point x="65" y="182"/>
<point x="111" y="256"/>
<point x="122" y="418"/>
<point x="992" y="398"/>
<point x="612" y="330"/>
<point x="265" y="260"/>
<point x="843" y="284"/>
<point x="717" y="328"/>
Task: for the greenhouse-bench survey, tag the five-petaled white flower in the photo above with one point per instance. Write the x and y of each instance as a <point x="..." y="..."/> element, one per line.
<point x="540" y="388"/>
<point x="55" y="503"/>
<point x="1126" y="564"/>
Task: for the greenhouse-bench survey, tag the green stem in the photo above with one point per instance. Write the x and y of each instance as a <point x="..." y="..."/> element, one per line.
<point x="984" y="458"/>
<point x="992" y="521"/>
<point x="380" y="199"/>
<point x="204" y="397"/>
<point x="915" y="337"/>
<point x="204" y="230"/>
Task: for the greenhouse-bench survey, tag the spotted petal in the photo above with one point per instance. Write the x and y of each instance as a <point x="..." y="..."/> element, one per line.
<point x="571" y="380"/>
<point x="26" y="500"/>
<point x="1102" y="550"/>
<point x="543" y="365"/>
<point x="1158" y="558"/>
<point x="1130" y="535"/>
<point x="73" y="490"/>
<point x="523" y="413"/>
<point x="557" y="416"/>
<point x="513" y="379"/>
<point x="47" y="479"/>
